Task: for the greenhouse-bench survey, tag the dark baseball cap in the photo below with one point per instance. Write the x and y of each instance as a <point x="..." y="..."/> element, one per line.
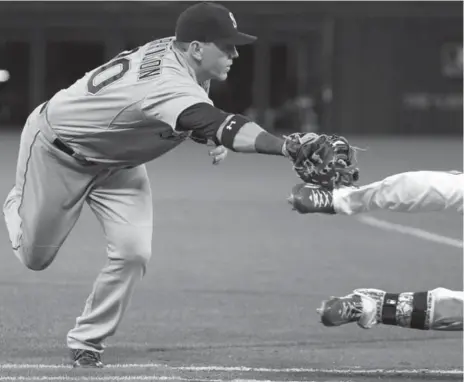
<point x="209" y="22"/>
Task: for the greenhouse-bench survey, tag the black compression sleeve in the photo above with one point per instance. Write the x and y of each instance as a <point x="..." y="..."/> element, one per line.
<point x="201" y="116"/>
<point x="203" y="119"/>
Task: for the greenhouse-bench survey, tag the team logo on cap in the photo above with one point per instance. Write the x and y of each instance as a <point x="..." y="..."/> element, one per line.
<point x="234" y="23"/>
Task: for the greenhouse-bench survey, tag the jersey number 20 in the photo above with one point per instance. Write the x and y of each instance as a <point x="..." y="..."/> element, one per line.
<point x="120" y="65"/>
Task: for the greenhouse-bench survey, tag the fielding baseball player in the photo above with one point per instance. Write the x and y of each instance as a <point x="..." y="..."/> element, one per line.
<point x="89" y="143"/>
<point x="330" y="189"/>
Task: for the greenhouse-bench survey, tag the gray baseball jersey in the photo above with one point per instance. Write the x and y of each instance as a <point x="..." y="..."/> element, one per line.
<point x="119" y="115"/>
<point x="125" y="111"/>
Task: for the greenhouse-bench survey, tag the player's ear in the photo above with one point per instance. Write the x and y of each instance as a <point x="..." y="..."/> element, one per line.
<point x="196" y="50"/>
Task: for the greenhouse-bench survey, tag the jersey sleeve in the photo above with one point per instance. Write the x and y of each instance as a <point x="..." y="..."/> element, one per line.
<point x="171" y="98"/>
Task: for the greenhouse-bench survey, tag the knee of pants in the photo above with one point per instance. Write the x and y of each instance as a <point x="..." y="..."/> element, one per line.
<point x="37" y="258"/>
<point x="134" y="253"/>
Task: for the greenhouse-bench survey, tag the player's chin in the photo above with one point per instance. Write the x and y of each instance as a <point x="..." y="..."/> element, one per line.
<point x="221" y="76"/>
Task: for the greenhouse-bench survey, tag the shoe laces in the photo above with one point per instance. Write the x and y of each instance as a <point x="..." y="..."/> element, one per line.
<point x="350" y="310"/>
<point x="321" y="199"/>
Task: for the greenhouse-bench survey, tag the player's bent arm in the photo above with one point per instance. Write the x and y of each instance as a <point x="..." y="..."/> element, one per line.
<point x="233" y="131"/>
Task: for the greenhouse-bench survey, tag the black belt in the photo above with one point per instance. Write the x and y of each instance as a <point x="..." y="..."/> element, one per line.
<point x="58" y="143"/>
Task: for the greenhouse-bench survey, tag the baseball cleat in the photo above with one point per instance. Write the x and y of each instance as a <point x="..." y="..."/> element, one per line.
<point x="309" y="198"/>
<point x="86" y="358"/>
<point x="358" y="308"/>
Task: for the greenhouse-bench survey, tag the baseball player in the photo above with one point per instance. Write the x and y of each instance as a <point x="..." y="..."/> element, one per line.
<point x="89" y="143"/>
<point x="415" y="191"/>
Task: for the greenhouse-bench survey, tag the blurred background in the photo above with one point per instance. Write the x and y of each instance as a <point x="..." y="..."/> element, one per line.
<point x="346" y="67"/>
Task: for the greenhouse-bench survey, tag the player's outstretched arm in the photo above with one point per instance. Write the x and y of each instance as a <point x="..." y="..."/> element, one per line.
<point x="306" y="151"/>
<point x="234" y="131"/>
<point x="413" y="192"/>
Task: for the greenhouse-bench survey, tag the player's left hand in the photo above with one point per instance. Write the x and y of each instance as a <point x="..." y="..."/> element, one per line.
<point x="325" y="160"/>
<point x="219" y="153"/>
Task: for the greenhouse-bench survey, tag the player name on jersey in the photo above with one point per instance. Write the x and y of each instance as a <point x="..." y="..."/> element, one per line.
<point x="151" y="63"/>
